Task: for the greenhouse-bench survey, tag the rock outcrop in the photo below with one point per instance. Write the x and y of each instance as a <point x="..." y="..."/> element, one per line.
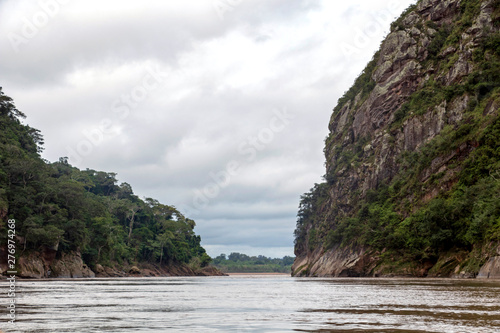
<point x="415" y="91"/>
<point x="490" y="270"/>
<point x="45" y="265"/>
<point x="70" y="266"/>
<point x="336" y="262"/>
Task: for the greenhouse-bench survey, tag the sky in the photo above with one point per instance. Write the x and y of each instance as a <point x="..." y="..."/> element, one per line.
<point x="218" y="107"/>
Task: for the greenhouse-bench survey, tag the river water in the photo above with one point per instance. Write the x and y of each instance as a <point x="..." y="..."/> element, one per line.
<point x="255" y="304"/>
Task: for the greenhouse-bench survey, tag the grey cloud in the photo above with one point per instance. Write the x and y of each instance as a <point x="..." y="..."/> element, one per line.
<point x="248" y="232"/>
<point x="72" y="39"/>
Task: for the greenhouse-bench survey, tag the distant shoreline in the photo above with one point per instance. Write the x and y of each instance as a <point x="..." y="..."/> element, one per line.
<point x="251" y="273"/>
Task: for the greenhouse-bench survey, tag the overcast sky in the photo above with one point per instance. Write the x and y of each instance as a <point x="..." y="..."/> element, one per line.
<point x="219" y="108"/>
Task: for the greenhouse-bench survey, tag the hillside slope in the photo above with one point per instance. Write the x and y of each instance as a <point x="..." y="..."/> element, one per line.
<point x="412" y="183"/>
<point x="79" y="223"/>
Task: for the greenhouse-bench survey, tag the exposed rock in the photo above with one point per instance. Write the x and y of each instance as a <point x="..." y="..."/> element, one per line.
<point x="346" y="262"/>
<point x="420" y="130"/>
<point x="448" y="51"/>
<point x="462" y="274"/>
<point x="398" y="49"/>
<point x="31" y="267"/>
<point x="112" y="272"/>
<point x="209" y="271"/>
<point x="483" y="21"/>
<point x="491" y="108"/>
<point x="438" y="10"/>
<point x="44" y="264"/>
<point x="134" y="270"/>
<point x="70" y="266"/>
<point x="395" y="84"/>
<point x="339" y="120"/>
<point x="490" y="270"/>
<point x="98" y="269"/>
<point x="456" y="110"/>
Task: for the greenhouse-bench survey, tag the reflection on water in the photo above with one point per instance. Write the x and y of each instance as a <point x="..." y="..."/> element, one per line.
<point x="256" y="304"/>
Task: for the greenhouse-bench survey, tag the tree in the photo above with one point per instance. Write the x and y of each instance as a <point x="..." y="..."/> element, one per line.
<point x="7" y="107"/>
<point x="165" y="239"/>
<point x="132" y="210"/>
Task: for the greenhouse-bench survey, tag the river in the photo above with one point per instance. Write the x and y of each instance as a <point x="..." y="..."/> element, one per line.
<point x="255" y="304"/>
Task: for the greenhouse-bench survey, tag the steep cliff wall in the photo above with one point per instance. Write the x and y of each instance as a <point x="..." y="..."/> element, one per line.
<point x="412" y="159"/>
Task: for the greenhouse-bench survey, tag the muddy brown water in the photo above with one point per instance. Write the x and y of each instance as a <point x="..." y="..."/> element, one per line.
<point x="260" y="303"/>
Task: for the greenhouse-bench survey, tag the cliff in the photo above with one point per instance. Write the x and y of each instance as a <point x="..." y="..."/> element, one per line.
<point x="412" y="160"/>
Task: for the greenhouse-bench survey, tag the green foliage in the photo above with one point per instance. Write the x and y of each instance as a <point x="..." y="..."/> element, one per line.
<point x="401" y="114"/>
<point x="485" y="160"/>
<point x="242" y="263"/>
<point x="372" y="225"/>
<point x="496" y="13"/>
<point x="313" y="239"/>
<point x="492" y="42"/>
<point x="467" y="216"/>
<point x="45" y="236"/>
<point x="310" y="212"/>
<point x="61" y="207"/>
<point x="469" y="9"/>
<point x="438" y="41"/>
<point x="425" y="98"/>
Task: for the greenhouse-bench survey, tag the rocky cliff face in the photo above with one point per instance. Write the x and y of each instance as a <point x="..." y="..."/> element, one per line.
<point x="44" y="264"/>
<point x="400" y="139"/>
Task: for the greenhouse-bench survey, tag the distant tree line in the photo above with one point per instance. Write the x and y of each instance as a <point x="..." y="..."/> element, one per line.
<point x="242" y="263"/>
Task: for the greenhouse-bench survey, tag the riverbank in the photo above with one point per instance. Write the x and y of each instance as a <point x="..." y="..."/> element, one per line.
<point x="47" y="264"/>
<point x="261" y="274"/>
<point x="150" y="270"/>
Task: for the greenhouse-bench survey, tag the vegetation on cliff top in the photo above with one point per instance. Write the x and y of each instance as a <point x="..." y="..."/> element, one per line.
<point x="57" y="206"/>
<point x="398" y="217"/>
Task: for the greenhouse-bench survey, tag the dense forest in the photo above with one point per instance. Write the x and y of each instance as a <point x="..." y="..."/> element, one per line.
<point x="242" y="263"/>
<point x="57" y="206"/>
<point x="412" y="181"/>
